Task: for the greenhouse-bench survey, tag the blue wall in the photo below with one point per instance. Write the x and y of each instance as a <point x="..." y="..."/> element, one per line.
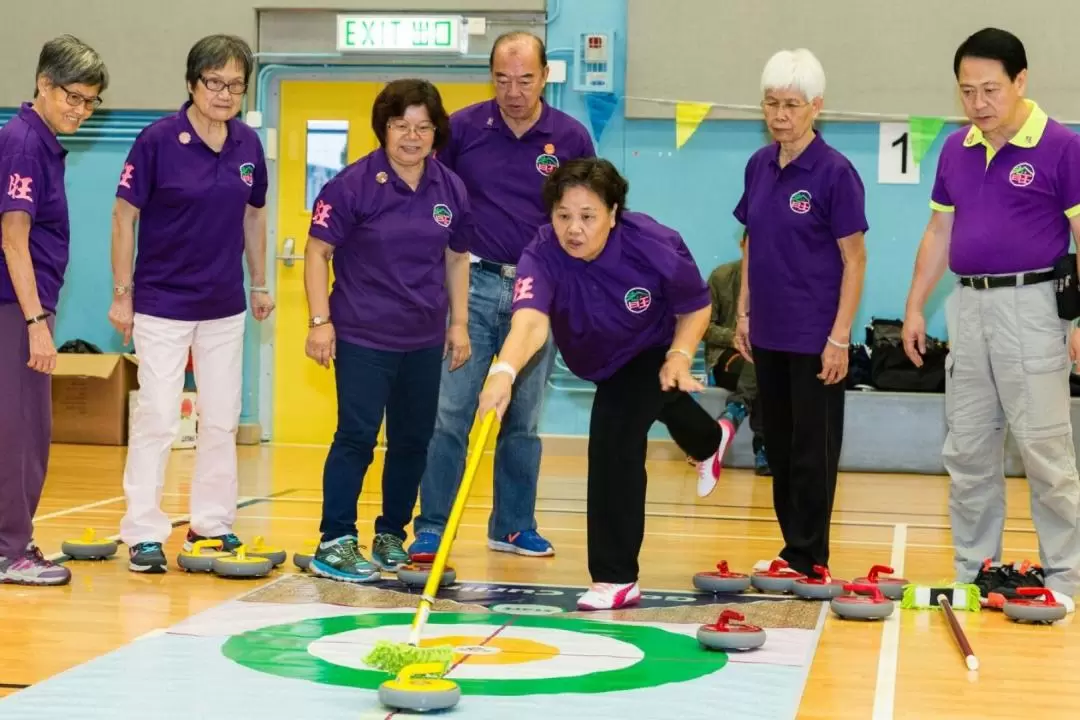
<point x="694" y="189"/>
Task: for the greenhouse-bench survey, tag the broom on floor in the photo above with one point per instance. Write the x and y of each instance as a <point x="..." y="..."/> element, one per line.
<point x="395" y="657"/>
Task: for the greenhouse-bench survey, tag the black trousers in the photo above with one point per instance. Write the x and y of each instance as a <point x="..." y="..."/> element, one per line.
<point x="734" y="374"/>
<point x="804" y="424"/>
<point x="624" y="409"/>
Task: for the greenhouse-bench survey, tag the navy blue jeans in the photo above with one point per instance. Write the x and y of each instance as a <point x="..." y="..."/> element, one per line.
<point x="404" y="385"/>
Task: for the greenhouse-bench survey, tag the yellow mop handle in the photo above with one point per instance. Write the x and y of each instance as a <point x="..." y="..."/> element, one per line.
<point x="432" y="586"/>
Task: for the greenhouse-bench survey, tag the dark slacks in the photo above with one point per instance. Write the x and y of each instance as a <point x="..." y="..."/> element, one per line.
<point x="733" y="373"/>
<point x="25" y="432"/>
<point x="624" y="409"/>
<point x="404" y="385"/>
<point x="804" y="424"/>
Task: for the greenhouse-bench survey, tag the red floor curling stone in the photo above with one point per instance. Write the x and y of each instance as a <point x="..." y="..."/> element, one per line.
<point x="822" y="587"/>
<point x="891" y="587"/>
<point x="416" y="575"/>
<point x="870" y="604"/>
<point x="725" y="635"/>
<point x="777" y="579"/>
<point x="1036" y="605"/>
<point x="721" y="581"/>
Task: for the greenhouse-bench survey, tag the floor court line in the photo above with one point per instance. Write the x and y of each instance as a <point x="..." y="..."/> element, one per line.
<point x="885" y="689"/>
<point x="80" y="508"/>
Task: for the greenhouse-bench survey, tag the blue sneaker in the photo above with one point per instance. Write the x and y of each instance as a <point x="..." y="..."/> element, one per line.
<point x="424" y="547"/>
<point x="761" y="463"/>
<point x="526" y="542"/>
<point x="735" y="412"/>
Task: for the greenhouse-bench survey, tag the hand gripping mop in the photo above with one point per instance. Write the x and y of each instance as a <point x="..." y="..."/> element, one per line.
<point x="419" y="684"/>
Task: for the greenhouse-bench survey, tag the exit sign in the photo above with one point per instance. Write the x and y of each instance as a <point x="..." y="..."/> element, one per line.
<point x="402" y="34"/>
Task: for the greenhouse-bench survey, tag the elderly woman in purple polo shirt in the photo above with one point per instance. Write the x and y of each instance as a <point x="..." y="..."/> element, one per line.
<point x="35" y="234"/>
<point x="627" y="307"/>
<point x="803" y="209"/>
<point x="392" y="223"/>
<point x="195" y="182"/>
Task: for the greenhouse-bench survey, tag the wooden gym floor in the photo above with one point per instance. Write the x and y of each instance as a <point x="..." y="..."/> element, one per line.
<point x="908" y="668"/>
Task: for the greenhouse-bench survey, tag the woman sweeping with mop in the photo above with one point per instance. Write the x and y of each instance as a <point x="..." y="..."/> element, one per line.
<point x="627" y="307"/>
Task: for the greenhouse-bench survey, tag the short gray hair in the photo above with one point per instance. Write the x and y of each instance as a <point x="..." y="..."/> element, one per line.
<point x="215" y="51"/>
<point x="797" y="70"/>
<point x="67" y="60"/>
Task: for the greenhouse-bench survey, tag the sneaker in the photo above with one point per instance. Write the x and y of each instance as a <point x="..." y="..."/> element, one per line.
<point x="424" y="547"/>
<point x="342" y="560"/>
<point x="388" y="553"/>
<point x="761" y="463"/>
<point x="609" y="596"/>
<point x="526" y="542"/>
<point x="709" y="470"/>
<point x="33" y="569"/>
<point x="147" y="557"/>
<point x="1009" y="579"/>
<point x="229" y="541"/>
<point x="735" y="413"/>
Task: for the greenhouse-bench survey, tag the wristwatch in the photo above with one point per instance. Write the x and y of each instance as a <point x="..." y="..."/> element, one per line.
<point x="318" y="320"/>
<point x="121" y="290"/>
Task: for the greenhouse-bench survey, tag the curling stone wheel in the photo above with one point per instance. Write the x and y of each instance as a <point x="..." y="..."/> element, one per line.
<point x="1035" y="605"/>
<point x="721" y="581"/>
<point x="302" y="558"/>
<point x="730" y="633"/>
<point x="867" y="603"/>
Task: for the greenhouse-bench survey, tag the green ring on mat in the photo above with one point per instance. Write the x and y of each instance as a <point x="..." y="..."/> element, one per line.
<point x="282" y="650"/>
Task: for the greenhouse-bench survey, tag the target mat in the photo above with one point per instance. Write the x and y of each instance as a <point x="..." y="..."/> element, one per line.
<point x="295" y="647"/>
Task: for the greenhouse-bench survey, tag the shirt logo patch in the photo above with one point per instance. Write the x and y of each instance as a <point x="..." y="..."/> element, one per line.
<point x="321" y="214"/>
<point x="125" y="176"/>
<point x="442" y="215"/>
<point x="546" y="164"/>
<point x="637" y="300"/>
<point x="799" y="202"/>
<point x="523" y="289"/>
<point x="19" y="187"/>
<point x="247" y="173"/>
<point x="1022" y="174"/>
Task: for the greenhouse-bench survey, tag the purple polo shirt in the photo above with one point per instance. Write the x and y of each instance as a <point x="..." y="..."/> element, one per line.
<point x="505" y="174"/>
<point x="607" y="311"/>
<point x="1012" y="207"/>
<point x="794" y="217"/>
<point x="390" y="245"/>
<point x="32" y="180"/>
<point x="191" y="200"/>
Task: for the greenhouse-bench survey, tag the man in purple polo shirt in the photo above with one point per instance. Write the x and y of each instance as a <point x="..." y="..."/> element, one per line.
<point x="195" y="182"/>
<point x="1006" y="195"/>
<point x="804" y="212"/>
<point x="35" y="233"/>
<point x="503" y="150"/>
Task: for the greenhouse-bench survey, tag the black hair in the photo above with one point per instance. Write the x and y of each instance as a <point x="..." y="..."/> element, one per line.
<point x="518" y="35"/>
<point x="993" y="44"/>
<point x="398" y="96"/>
<point x="596" y="174"/>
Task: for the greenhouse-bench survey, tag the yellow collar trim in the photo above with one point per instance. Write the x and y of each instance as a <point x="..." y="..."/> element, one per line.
<point x="1028" y="136"/>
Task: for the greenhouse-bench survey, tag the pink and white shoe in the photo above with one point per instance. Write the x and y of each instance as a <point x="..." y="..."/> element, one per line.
<point x="709" y="471"/>
<point x="33" y="569"/>
<point x="609" y="596"/>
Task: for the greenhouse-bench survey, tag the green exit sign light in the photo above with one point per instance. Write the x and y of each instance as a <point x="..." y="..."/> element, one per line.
<point x="402" y="34"/>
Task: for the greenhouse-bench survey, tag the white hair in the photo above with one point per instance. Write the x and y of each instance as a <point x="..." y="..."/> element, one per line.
<point x="796" y="70"/>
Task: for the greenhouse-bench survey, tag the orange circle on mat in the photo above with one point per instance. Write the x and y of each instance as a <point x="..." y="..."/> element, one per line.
<point x="477" y="650"/>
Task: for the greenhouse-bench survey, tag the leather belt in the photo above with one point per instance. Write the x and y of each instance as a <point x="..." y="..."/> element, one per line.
<point x="986" y="282"/>
<point x="506" y="271"/>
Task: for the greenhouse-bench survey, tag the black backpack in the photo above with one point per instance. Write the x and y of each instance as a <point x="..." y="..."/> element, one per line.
<point x="891" y="370"/>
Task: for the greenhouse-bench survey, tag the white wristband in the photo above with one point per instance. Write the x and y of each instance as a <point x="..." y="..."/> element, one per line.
<point x="842" y="346"/>
<point x="503" y="367"/>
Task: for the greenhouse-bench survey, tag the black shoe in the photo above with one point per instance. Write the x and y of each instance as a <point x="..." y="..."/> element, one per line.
<point x="990" y="578"/>
<point x="229" y="542"/>
<point x="1027" y="575"/>
<point x="147" y="557"/>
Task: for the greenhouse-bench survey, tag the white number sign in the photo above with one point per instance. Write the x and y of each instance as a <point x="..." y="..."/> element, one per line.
<point x="896" y="156"/>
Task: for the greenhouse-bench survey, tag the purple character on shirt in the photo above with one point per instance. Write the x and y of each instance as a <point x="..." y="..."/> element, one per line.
<point x="35" y="232"/>
<point x="195" y="183"/>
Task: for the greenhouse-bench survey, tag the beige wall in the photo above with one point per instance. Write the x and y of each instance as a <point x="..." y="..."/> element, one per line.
<point x="145" y="42"/>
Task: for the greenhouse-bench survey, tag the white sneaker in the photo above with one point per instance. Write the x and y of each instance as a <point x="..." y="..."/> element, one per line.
<point x="1068" y="602"/>
<point x="709" y="471"/>
<point x="609" y="596"/>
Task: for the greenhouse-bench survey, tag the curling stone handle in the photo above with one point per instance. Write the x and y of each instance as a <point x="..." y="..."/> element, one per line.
<point x="861" y="589"/>
<point x="877" y="570"/>
<point x="727" y="616"/>
<point x="823" y="572"/>
<point x="420" y="669"/>
<point x="1035" y="592"/>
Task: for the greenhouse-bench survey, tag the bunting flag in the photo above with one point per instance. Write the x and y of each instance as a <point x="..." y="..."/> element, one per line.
<point x="601" y="107"/>
<point x="688" y="115"/>
<point x="924" y="130"/>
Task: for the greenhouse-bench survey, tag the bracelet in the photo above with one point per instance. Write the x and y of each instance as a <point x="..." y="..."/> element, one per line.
<point x="679" y="351"/>
<point x="503" y="367"/>
<point x="260" y="289"/>
<point x="36" y="319"/>
<point x="842" y="346"/>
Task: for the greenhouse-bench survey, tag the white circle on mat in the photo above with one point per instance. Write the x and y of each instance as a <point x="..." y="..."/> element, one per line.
<point x="578" y="653"/>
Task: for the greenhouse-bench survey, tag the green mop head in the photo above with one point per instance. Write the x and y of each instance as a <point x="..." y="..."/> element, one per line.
<point x="392" y="657"/>
<point x="922" y="597"/>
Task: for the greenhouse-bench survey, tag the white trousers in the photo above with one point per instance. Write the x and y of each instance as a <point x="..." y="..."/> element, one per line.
<point x="217" y="348"/>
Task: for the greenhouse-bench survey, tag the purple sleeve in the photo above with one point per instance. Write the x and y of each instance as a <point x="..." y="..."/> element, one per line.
<point x="24" y="181"/>
<point x="847" y="204"/>
<point x="683" y="285"/>
<point x="939" y="195"/>
<point x="741" y="208"/>
<point x="448" y="154"/>
<point x="462" y="228"/>
<point x="332" y="216"/>
<point x="588" y="150"/>
<point x="533" y="288"/>
<point x="1069" y="177"/>
<point x="138" y="175"/>
<point x="261" y="180"/>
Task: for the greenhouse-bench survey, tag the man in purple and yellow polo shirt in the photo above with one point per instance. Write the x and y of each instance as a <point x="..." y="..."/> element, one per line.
<point x="503" y="149"/>
<point x="1006" y="195"/>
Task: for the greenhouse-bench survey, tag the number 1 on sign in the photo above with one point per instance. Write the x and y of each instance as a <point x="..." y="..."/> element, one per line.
<point x="896" y="157"/>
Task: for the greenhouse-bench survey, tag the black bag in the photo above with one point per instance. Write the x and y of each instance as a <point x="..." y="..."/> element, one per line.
<point x="892" y="370"/>
<point x="1066" y="287"/>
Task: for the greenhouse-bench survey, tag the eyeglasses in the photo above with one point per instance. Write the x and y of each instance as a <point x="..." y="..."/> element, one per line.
<point x="214" y="85"/>
<point x="405" y="128"/>
<point x="773" y="107"/>
<point x="75" y="99"/>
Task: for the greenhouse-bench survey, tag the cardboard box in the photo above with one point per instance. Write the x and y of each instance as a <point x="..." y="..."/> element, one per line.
<point x="189" y="419"/>
<point x="90" y="398"/>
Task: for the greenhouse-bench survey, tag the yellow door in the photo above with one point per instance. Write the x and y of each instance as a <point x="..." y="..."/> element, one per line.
<point x="324" y="125"/>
